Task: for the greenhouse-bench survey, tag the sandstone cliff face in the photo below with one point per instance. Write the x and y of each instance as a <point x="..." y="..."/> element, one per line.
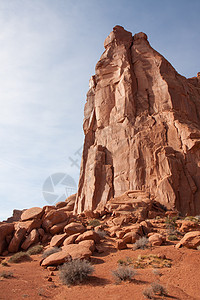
<point x="142" y="128"/>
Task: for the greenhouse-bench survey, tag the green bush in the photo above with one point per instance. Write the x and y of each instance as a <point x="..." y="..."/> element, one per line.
<point x="142" y="243"/>
<point x="50" y="251"/>
<point x="172" y="237"/>
<point x="126" y="262"/>
<point x="35" y="250"/>
<point x="19" y="257"/>
<point x="171" y="223"/>
<point x="75" y="271"/>
<point x="94" y="223"/>
<point x="124" y="273"/>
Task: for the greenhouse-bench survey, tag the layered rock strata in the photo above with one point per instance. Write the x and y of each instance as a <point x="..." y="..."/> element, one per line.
<point x="142" y="128"/>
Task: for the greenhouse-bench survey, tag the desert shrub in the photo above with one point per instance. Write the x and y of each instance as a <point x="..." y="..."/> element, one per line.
<point x="35" y="250"/>
<point x="75" y="271"/>
<point x="94" y="223"/>
<point x="158" y="289"/>
<point x="148" y="293"/>
<point x="50" y="251"/>
<point x="19" y="257"/>
<point x="5" y="274"/>
<point x="172" y="237"/>
<point x="121" y="262"/>
<point x="126" y="262"/>
<point x="142" y="243"/>
<point x="171" y="223"/>
<point x="124" y="273"/>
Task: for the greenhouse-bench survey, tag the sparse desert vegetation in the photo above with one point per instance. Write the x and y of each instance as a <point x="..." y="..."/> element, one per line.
<point x="75" y="272"/>
<point x="142" y="243"/>
<point x="124" y="273"/>
<point x="19" y="257"/>
<point x="35" y="250"/>
<point x="50" y="251"/>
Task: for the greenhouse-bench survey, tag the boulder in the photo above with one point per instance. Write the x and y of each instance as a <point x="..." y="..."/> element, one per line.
<point x="56" y="259"/>
<point x="113" y="230"/>
<point x="58" y="228"/>
<point x="88" y="235"/>
<point x="120" y="244"/>
<point x="61" y="204"/>
<point x="120" y="234"/>
<point x="190" y="240"/>
<point x="156" y="239"/>
<point x="70" y="202"/>
<point x="72" y="251"/>
<point x="29" y="225"/>
<point x="31" y="239"/>
<point x="131" y="237"/>
<point x="137" y="228"/>
<point x="6" y="229"/>
<point x="57" y="240"/>
<point x="18" y="237"/>
<point x="89" y="244"/>
<point x="70" y="239"/>
<point x="73" y="228"/>
<point x="32" y="213"/>
<point x="54" y="217"/>
<point x="41" y="232"/>
<point x="187" y="226"/>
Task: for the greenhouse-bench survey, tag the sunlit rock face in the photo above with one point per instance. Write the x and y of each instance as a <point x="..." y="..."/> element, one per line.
<point x="142" y="128"/>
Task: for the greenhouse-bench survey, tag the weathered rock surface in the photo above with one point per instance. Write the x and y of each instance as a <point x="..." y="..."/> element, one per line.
<point x="32" y="213"/>
<point x="70" y="239"/>
<point x="156" y="239"/>
<point x="31" y="239"/>
<point x="18" y="237"/>
<point x="57" y="240"/>
<point x="54" y="217"/>
<point x="142" y="129"/>
<point x="190" y="240"/>
<point x="74" y="227"/>
<point x="29" y="225"/>
<point x="5" y="230"/>
<point x="88" y="235"/>
<point x="189" y="226"/>
<point x="72" y="251"/>
<point x="57" y="228"/>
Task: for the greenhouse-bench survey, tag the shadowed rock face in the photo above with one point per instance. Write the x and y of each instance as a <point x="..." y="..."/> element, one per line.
<point x="142" y="128"/>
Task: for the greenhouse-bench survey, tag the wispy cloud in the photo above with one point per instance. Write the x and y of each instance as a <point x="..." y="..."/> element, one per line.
<point x="48" y="51"/>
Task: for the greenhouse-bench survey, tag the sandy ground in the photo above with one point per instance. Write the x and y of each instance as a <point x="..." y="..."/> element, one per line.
<point x="181" y="280"/>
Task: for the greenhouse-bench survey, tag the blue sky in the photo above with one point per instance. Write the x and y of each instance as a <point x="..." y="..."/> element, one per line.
<point x="48" y="51"/>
